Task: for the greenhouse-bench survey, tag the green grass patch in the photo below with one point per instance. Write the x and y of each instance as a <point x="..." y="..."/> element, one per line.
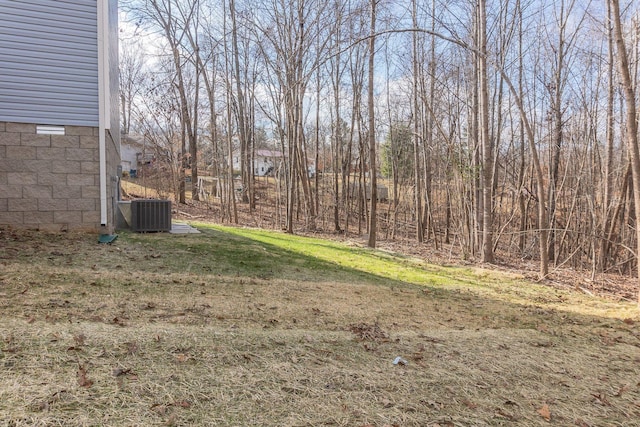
<point x="334" y="257"/>
<point x="289" y="255"/>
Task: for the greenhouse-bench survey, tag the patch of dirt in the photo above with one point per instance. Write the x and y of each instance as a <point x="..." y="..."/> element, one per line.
<point x="370" y="332"/>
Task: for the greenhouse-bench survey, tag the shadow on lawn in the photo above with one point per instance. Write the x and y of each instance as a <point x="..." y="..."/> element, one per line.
<point x="221" y="252"/>
<point x="224" y="253"/>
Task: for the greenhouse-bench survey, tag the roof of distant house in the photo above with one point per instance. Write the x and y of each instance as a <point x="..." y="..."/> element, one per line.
<point x="132" y="140"/>
<point x="269" y="153"/>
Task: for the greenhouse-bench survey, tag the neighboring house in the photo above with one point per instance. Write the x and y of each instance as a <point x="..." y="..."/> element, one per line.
<point x="134" y="153"/>
<point x="129" y="150"/>
<point x="265" y="162"/>
<point x="59" y="122"/>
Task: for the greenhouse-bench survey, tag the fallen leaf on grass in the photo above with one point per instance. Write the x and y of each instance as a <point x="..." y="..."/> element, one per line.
<point x="83" y="380"/>
<point x="369" y="346"/>
<point x="162" y="409"/>
<point x="79" y="339"/>
<point x="132" y="347"/>
<point x="600" y="399"/>
<point x="545" y="412"/>
<point x="182" y="357"/>
<point x="119" y="322"/>
<point x="121" y="371"/>
<point x="543" y="328"/>
<point x="159" y="408"/>
<point x="386" y="403"/>
<point x="182" y="404"/>
<point x="469" y="404"/>
<point x="501" y="413"/>
<point x="622" y="389"/>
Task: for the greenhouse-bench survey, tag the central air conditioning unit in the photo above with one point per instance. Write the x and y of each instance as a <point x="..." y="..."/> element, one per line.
<point x="150" y="215"/>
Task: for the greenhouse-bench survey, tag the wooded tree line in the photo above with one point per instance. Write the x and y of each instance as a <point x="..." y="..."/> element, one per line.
<point x="500" y="127"/>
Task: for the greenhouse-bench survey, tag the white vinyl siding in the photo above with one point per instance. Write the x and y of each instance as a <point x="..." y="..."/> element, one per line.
<point x="49" y="66"/>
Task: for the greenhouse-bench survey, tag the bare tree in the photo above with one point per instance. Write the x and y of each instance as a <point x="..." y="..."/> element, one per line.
<point x="372" y="130"/>
<point x="417" y="131"/>
<point x="133" y="73"/>
<point x="485" y="141"/>
<point x="631" y="117"/>
<point x="481" y="96"/>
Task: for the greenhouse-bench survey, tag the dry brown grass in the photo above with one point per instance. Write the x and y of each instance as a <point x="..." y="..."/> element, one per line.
<point x="102" y="335"/>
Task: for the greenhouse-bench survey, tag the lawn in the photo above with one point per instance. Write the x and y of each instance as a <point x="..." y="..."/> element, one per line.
<point x="243" y="327"/>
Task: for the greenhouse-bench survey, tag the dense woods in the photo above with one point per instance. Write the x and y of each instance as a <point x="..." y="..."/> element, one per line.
<point x="497" y="127"/>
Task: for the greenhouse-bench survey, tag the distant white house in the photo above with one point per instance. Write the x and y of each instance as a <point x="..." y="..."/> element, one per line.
<point x="134" y="154"/>
<point x="129" y="149"/>
<point x="265" y="162"/>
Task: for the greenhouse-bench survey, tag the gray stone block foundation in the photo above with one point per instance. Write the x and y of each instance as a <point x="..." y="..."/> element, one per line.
<point x="51" y="182"/>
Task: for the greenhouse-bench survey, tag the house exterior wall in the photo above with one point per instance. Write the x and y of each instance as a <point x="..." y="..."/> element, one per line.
<point x="49" y="67"/>
<point x="260" y="165"/>
<point x="49" y="182"/>
<point x="264" y="161"/>
<point x="50" y="70"/>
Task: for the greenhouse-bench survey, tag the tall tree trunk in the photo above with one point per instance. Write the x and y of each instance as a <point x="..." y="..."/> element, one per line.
<point x="631" y="119"/>
<point x="486" y="144"/>
<point x="183" y="163"/>
<point x="193" y="138"/>
<point x="245" y="160"/>
<point x="417" y="166"/>
<point x="608" y="163"/>
<point x="336" y="137"/>
<point x="372" y="132"/>
<point x="556" y="90"/>
<point x="231" y="191"/>
<point x="428" y="132"/>
<point x="522" y="207"/>
<point x="539" y="174"/>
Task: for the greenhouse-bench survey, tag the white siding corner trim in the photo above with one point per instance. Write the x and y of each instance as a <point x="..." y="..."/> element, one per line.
<point x="104" y="104"/>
